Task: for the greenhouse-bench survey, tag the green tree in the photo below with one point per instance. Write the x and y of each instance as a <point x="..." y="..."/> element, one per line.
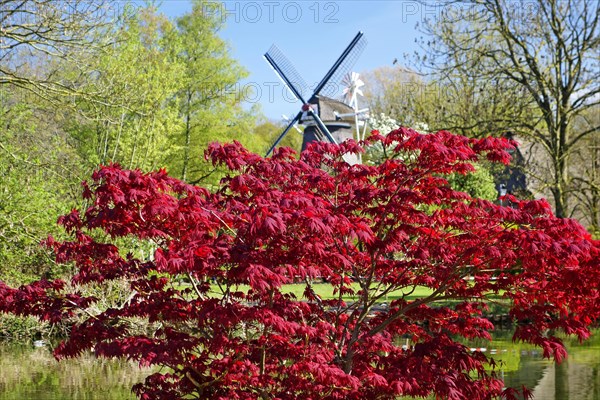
<point x="453" y="102"/>
<point x="266" y="132"/>
<point x="210" y="98"/>
<point x="97" y="66"/>
<point x="546" y="50"/>
<point x="36" y="170"/>
<point x="478" y="184"/>
<point x="391" y="92"/>
<point x="141" y="75"/>
<point x="120" y="83"/>
<point x="586" y="174"/>
<point x="34" y="34"/>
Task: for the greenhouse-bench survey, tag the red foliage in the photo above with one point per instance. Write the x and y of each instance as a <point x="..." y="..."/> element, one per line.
<point x="369" y="230"/>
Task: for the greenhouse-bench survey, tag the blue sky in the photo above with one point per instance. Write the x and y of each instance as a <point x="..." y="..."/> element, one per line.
<point x="312" y="34"/>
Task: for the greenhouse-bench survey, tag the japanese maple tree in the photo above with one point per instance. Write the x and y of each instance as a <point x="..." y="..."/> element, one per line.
<point x="373" y="232"/>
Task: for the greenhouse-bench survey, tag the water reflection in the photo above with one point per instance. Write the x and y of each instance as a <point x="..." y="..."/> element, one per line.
<point x="576" y="378"/>
<point x="29" y="373"/>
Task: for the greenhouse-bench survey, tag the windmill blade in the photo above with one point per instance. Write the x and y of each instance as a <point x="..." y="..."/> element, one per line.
<point x="286" y="119"/>
<point x="285" y="131"/>
<point x="322" y="126"/>
<point x="328" y="85"/>
<point x="286" y="71"/>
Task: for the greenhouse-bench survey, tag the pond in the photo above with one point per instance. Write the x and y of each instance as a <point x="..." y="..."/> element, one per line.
<point x="30" y="373"/>
<point x="576" y="378"/>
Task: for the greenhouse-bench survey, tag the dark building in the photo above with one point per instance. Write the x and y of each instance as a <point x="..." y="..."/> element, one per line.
<point x="512" y="180"/>
<point x="335" y="116"/>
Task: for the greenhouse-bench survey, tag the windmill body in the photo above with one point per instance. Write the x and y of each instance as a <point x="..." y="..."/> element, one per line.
<point x="328" y="111"/>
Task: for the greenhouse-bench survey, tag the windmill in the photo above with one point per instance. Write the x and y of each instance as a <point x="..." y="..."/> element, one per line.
<point x="352" y="84"/>
<point x="320" y="105"/>
<point x="352" y="89"/>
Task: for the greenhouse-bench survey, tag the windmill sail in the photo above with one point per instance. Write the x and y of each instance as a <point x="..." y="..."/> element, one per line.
<point x="286" y="71"/>
<point x="329" y="84"/>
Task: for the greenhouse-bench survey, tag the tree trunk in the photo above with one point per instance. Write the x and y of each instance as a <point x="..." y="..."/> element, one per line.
<point x="188" y="134"/>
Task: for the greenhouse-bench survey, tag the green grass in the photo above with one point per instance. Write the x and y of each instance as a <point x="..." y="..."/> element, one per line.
<point x="497" y="304"/>
<point x="325" y="291"/>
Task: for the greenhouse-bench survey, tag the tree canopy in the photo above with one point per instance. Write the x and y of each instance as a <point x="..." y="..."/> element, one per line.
<point x="87" y="83"/>
<point x="370" y="231"/>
